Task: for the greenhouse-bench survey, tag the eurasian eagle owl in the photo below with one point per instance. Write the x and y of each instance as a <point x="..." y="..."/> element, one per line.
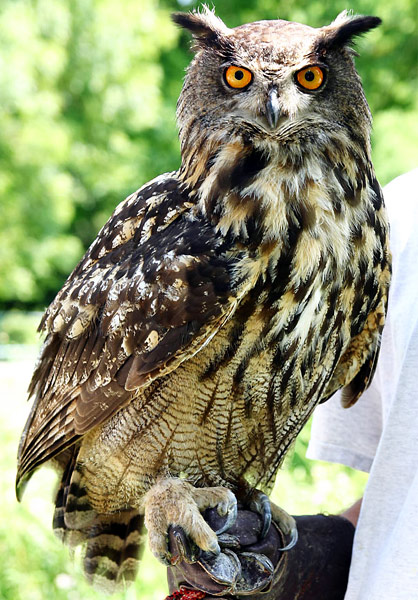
<point x="221" y="302"/>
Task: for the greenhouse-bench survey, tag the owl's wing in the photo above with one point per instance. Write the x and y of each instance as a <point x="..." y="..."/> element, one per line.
<point x="152" y="289"/>
<point x="356" y="367"/>
<point x="361" y="381"/>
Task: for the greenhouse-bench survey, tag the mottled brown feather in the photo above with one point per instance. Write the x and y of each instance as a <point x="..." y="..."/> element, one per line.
<point x="221" y="302"/>
<point x="101" y="348"/>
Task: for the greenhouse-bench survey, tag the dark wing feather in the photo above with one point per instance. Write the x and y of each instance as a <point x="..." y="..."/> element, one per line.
<point x="352" y="392"/>
<point x="356" y="367"/>
<point x="151" y="290"/>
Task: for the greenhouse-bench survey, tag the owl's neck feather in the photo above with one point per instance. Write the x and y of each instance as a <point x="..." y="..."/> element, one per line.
<point x="259" y="191"/>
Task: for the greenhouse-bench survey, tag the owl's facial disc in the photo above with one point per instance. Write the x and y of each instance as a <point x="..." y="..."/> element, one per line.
<point x="269" y="99"/>
<point x="240" y="78"/>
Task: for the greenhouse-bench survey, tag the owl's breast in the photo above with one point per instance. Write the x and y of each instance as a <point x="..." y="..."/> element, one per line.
<point x="232" y="409"/>
<point x="224" y="413"/>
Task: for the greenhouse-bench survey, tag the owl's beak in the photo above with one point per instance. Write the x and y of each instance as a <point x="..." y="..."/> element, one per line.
<point x="273" y="108"/>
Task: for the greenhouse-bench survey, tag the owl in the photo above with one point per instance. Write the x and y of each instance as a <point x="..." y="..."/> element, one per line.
<point x="220" y="303"/>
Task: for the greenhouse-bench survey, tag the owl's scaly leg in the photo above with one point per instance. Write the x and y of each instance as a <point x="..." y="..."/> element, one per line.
<point x="176" y="502"/>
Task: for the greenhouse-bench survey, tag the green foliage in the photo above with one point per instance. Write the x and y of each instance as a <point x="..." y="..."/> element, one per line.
<point x="83" y="122"/>
<point x="87" y="115"/>
<point x="17" y="327"/>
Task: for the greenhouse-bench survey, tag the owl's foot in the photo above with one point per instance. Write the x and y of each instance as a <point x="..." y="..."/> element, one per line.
<point x="177" y="502"/>
<point x="286" y="523"/>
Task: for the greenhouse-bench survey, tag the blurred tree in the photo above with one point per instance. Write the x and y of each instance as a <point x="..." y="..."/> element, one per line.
<point x="87" y="104"/>
<point x="83" y="120"/>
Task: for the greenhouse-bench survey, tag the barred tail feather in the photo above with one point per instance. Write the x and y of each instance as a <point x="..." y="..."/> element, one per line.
<point x="73" y="515"/>
<point x="114" y="550"/>
<point x="113" y="542"/>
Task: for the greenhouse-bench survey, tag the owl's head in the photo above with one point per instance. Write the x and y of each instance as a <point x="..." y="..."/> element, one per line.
<point x="273" y="80"/>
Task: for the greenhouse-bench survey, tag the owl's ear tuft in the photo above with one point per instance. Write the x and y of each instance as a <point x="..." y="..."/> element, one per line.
<point x="344" y="30"/>
<point x="205" y="26"/>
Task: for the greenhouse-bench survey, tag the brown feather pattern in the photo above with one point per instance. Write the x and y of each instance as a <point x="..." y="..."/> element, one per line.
<point x="220" y="303"/>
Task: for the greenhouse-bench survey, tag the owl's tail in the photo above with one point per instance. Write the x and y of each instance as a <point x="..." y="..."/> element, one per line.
<point x="113" y="542"/>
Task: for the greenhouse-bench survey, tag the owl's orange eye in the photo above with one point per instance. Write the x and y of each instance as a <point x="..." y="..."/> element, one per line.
<point x="238" y="77"/>
<point x="311" y="78"/>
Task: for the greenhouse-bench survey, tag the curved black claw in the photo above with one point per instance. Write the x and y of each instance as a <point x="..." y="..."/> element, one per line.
<point x="181" y="546"/>
<point x="231" y="512"/>
<point x="260" y="504"/>
<point x="294" y="536"/>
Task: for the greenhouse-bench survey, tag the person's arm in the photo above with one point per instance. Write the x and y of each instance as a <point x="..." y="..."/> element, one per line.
<point x="353" y="512"/>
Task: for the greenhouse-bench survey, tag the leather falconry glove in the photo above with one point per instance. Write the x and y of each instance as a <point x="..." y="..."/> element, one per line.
<point x="316" y="568"/>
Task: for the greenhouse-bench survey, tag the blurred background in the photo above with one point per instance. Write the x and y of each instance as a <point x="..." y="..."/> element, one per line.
<point x="88" y="90"/>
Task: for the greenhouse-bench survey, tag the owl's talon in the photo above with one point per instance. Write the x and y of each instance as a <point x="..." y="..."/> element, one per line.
<point x="187" y="550"/>
<point x="293" y="541"/>
<point x="214" y="548"/>
<point x="287" y="525"/>
<point x="260" y="504"/>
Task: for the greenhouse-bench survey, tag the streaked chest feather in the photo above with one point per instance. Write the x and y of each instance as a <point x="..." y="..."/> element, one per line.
<point x="272" y="202"/>
<point x="303" y="246"/>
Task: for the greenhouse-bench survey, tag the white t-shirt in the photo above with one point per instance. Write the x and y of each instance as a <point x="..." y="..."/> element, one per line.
<point x="380" y="433"/>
